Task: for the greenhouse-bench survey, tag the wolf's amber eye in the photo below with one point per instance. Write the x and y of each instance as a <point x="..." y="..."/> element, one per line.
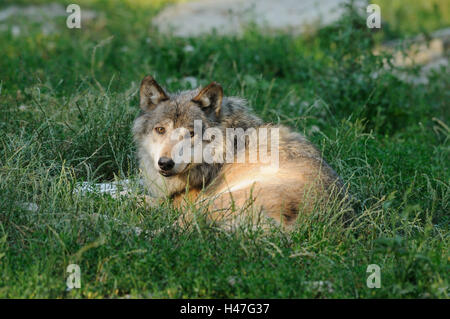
<point x="160" y="130"/>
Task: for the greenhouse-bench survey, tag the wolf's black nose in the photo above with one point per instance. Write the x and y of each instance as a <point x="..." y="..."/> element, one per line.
<point x="166" y="163"/>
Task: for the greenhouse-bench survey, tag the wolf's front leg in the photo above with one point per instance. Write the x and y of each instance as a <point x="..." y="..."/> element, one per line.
<point x="147" y="201"/>
<point x="187" y="203"/>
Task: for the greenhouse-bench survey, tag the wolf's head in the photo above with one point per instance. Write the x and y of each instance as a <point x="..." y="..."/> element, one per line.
<point x="167" y="121"/>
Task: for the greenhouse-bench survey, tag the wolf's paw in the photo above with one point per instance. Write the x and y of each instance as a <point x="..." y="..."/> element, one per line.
<point x="148" y="201"/>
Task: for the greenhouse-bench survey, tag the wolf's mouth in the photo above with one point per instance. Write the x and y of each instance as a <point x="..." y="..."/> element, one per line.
<point x="166" y="174"/>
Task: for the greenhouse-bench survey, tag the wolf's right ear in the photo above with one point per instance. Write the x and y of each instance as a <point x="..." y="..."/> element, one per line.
<point x="150" y="94"/>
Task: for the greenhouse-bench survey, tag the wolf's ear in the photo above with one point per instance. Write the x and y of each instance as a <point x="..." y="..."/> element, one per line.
<point x="210" y="97"/>
<point x="150" y="94"/>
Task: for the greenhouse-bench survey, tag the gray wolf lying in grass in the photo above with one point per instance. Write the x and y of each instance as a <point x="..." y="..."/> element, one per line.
<point x="245" y="169"/>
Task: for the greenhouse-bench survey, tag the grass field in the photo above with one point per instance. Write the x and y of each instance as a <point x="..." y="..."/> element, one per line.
<point x="67" y="102"/>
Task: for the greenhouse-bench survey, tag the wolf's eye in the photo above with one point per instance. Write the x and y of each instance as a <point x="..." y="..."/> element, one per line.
<point x="160" y="130"/>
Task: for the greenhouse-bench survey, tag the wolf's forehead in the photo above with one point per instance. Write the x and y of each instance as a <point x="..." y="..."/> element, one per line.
<point x="184" y="97"/>
<point x="185" y="116"/>
<point x="179" y="115"/>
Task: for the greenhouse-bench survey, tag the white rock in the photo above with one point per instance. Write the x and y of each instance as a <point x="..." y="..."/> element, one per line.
<point x="231" y="16"/>
<point x="188" y="48"/>
<point x="15" y="31"/>
<point x="115" y="189"/>
<point x="32" y="207"/>
<point x="191" y="80"/>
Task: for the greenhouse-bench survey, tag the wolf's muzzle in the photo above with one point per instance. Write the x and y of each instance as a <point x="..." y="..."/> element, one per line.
<point x="166" y="163"/>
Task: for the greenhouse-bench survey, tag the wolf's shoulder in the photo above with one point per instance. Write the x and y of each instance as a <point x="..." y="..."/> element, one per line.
<point x="236" y="113"/>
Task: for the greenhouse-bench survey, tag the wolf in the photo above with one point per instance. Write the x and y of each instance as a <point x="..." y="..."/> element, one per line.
<point x="231" y="192"/>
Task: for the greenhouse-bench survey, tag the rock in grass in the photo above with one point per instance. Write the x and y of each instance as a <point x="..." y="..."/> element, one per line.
<point x="199" y="17"/>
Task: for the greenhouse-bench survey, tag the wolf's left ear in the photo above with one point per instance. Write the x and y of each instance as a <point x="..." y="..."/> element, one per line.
<point x="150" y="94"/>
<point x="210" y="97"/>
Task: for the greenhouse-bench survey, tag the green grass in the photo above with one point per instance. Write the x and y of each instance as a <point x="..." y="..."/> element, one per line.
<point x="67" y="103"/>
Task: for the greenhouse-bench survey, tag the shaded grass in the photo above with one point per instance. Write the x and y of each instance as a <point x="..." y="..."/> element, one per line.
<point x="67" y="103"/>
